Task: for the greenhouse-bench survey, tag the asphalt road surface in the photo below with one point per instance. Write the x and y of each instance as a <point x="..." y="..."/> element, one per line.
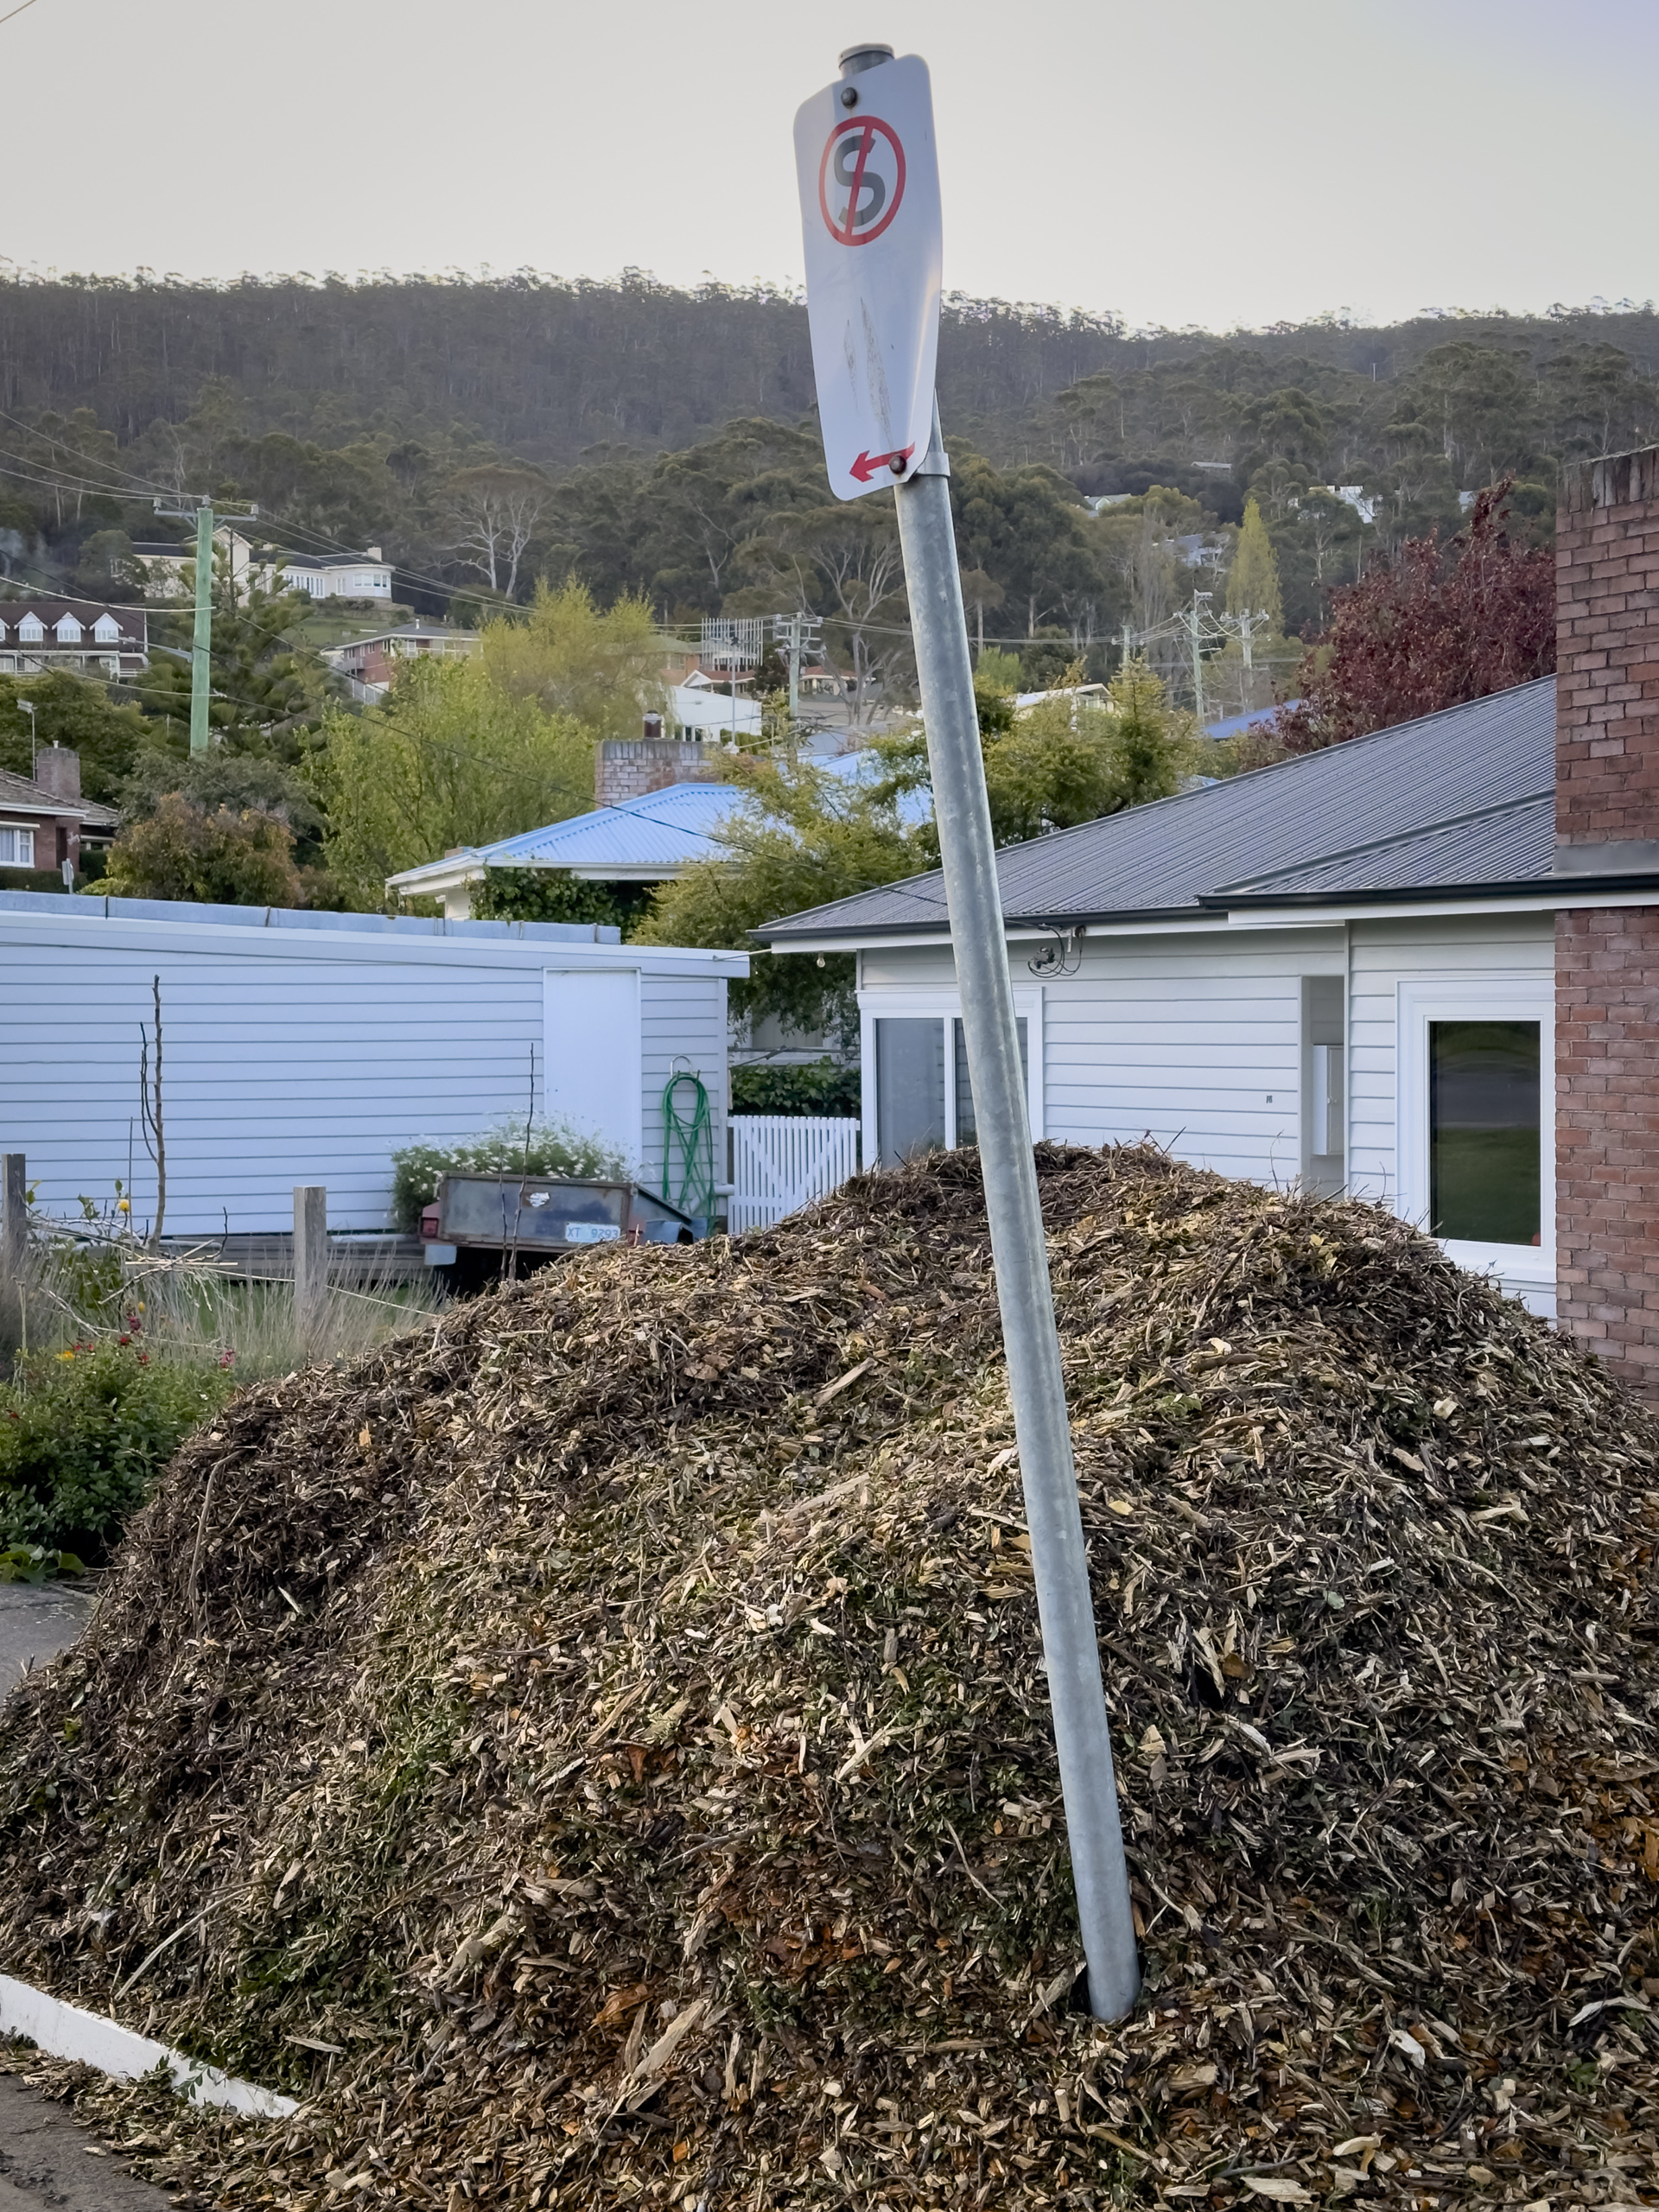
<point x="35" y="1624"/>
<point x="46" y="2159"/>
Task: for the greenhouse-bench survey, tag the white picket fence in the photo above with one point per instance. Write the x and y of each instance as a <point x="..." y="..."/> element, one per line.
<point x="781" y="1161"/>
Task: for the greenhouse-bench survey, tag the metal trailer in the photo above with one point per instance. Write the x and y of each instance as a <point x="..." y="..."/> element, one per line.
<point x="534" y="1218"/>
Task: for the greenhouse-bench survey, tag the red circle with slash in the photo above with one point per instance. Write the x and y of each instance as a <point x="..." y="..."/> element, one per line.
<point x="849" y="145"/>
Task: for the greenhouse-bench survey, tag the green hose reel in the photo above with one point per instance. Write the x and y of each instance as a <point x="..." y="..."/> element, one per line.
<point x="688" y="1148"/>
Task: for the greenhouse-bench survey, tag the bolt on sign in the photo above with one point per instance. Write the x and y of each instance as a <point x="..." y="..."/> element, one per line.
<point x="869" y="183"/>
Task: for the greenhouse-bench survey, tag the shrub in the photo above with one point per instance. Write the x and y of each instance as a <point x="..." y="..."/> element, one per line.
<point x="816" y="1087"/>
<point x="83" y="1433"/>
<point x="554" y="1148"/>
<point x="223" y="859"/>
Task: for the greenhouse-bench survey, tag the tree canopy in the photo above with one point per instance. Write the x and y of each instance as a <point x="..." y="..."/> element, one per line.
<point x="1436" y="626"/>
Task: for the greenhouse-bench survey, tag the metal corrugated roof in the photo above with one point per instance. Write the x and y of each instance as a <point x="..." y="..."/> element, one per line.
<point x="1505" y="844"/>
<point x="1171" y="855"/>
<point x="669" y="828"/>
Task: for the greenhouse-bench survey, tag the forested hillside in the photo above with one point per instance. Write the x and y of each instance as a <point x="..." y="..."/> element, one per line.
<point x="545" y="368"/>
<point x="488" y="433"/>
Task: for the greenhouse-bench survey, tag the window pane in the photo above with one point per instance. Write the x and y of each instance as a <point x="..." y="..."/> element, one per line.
<point x="1483" y="1131"/>
<point x="967" y="1128"/>
<point x="909" y="1088"/>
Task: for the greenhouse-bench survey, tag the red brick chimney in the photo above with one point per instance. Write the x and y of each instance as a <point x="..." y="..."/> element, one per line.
<point x="627" y="768"/>
<point x="57" y="769"/>
<point x="1607" y="956"/>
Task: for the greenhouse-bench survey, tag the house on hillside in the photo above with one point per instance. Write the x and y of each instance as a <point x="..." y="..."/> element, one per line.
<point x="1421" y="967"/>
<point x="700" y="714"/>
<point x="368" y="664"/>
<point x="84" y="636"/>
<point x="46" y="826"/>
<point x="169" y="569"/>
<point x="343" y="575"/>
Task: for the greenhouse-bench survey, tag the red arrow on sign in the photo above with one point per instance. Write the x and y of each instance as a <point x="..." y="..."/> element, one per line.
<point x="866" y="464"/>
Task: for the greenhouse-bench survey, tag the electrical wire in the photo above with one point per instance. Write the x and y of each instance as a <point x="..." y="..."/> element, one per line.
<point x="328" y="544"/>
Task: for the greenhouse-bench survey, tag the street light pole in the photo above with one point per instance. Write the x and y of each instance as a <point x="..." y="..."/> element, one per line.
<point x="1031" y="1339"/>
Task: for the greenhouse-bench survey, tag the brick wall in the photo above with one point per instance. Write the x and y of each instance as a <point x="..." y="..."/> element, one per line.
<point x="629" y="768"/>
<point x="1607" y="957"/>
<point x="1607" y="1134"/>
<point x="1607" y="653"/>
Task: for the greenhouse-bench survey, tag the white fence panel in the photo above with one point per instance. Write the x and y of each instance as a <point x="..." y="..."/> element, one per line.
<point x="781" y="1161"/>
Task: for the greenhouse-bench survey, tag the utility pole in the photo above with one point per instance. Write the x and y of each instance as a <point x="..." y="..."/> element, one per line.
<point x="792" y="630"/>
<point x="1192" y="619"/>
<point x="202" y="641"/>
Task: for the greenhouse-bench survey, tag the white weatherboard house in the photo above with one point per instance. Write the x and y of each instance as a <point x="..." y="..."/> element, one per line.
<point x="307" y="1048"/>
<point x="1339" y="971"/>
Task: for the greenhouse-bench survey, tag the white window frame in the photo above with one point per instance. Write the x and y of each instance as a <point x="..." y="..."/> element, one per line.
<point x="25" y="844"/>
<point x="1476" y="998"/>
<point x="31" y="630"/>
<point x="945" y="1006"/>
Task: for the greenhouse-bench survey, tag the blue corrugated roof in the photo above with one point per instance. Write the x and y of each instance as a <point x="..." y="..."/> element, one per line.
<point x="669" y="829"/>
<point x="1175" y="855"/>
<point x="1235" y="724"/>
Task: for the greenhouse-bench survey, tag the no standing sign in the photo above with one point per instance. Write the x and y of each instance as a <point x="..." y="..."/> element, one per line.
<point x="869" y="187"/>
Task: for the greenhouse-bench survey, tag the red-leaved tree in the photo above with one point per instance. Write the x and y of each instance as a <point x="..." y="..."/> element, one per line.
<point x="1440" y="624"/>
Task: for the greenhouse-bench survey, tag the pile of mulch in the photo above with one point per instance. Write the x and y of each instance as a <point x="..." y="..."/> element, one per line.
<point x="596" y="1754"/>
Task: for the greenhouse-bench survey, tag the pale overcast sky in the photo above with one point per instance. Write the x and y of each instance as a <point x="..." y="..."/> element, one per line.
<point x="1209" y="162"/>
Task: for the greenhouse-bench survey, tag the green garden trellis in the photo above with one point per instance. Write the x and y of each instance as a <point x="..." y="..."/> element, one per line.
<point x="689" y="1147"/>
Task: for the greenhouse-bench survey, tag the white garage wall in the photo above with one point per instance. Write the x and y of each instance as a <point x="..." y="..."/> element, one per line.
<point x="293" y="1055"/>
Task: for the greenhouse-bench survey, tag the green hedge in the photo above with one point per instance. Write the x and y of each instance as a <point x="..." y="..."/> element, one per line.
<point x="818" y="1087"/>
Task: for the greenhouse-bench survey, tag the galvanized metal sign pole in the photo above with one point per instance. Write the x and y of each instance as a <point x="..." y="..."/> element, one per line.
<point x="865" y="153"/>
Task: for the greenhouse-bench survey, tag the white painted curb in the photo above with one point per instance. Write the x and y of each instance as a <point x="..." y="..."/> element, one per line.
<point x="65" y="2032"/>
